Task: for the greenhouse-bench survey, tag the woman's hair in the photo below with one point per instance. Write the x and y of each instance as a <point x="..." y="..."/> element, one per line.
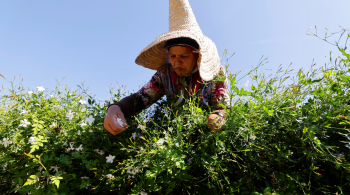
<point x="181" y="41"/>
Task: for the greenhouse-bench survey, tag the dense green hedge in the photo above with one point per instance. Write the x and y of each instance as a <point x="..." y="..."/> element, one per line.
<point x="282" y="136"/>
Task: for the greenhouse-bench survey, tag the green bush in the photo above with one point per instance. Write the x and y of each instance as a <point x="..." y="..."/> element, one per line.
<point x="279" y="138"/>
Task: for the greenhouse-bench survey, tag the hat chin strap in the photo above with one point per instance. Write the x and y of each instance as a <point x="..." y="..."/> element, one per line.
<point x="194" y="70"/>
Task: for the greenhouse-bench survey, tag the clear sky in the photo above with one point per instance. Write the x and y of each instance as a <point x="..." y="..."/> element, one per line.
<point x="96" y="42"/>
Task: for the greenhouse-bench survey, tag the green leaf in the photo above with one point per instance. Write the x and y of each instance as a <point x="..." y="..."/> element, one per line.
<point x="31" y="180"/>
<point x="56" y="180"/>
<point x="20" y="181"/>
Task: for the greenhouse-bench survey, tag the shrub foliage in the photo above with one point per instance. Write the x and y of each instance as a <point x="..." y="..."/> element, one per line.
<point x="283" y="135"/>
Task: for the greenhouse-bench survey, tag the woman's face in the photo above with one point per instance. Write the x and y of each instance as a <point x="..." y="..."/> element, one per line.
<point x="182" y="60"/>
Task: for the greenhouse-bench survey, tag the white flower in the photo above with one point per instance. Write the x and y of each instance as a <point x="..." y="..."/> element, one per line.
<point x="6" y="142"/>
<point x="101" y="152"/>
<point x="82" y="101"/>
<point x="82" y="124"/>
<point x="310" y="30"/>
<point x="161" y="141"/>
<point x="89" y="120"/>
<point x="80" y="147"/>
<point x="24" y="112"/>
<point x="55" y="168"/>
<point x="64" y="143"/>
<point x="133" y="170"/>
<point x="137" y="169"/>
<point x="53" y="125"/>
<point x="70" y="115"/>
<point x="189" y="161"/>
<point x="246" y="84"/>
<point x="109" y="176"/>
<point x="253" y="137"/>
<point x="32" y="139"/>
<point x="143" y="193"/>
<point x="79" y="132"/>
<point x="30" y="92"/>
<point x="71" y="144"/>
<point x="24" y="123"/>
<point x="120" y="122"/>
<point x="133" y="136"/>
<point x="84" y="177"/>
<point x="52" y="96"/>
<point x="110" y="158"/>
<point x="5" y="165"/>
<point x="40" y="89"/>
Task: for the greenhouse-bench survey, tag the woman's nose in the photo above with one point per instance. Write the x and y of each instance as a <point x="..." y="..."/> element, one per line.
<point x="177" y="60"/>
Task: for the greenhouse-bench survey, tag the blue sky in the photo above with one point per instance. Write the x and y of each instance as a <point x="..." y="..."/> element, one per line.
<point x="96" y="42"/>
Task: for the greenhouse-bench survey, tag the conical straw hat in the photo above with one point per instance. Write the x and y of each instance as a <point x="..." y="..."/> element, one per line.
<point x="182" y="23"/>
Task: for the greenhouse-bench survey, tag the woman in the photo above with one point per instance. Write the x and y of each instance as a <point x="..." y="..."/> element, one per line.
<point x="187" y="63"/>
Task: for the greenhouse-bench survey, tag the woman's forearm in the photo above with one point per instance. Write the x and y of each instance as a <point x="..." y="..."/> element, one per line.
<point x="130" y="105"/>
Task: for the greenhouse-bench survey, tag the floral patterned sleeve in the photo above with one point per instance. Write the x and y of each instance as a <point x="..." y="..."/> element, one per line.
<point x="152" y="91"/>
<point x="220" y="90"/>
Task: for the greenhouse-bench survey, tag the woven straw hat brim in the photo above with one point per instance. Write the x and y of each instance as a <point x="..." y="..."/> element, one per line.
<point x="154" y="56"/>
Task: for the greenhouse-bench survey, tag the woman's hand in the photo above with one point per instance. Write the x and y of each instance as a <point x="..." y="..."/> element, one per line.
<point x="215" y="122"/>
<point x="115" y="122"/>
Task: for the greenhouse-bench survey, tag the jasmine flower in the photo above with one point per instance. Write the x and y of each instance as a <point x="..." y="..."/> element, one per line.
<point x="24" y="123"/>
<point x="109" y="176"/>
<point x="160" y="141"/>
<point x="110" y="159"/>
<point x="101" y="152"/>
<point x="82" y="124"/>
<point x="71" y="146"/>
<point x="31" y="140"/>
<point x="70" y="115"/>
<point x="80" y="147"/>
<point x="55" y="168"/>
<point x="53" y="125"/>
<point x="6" y="142"/>
<point x="90" y="119"/>
<point x="40" y="89"/>
<point x="24" y="112"/>
<point x="120" y="122"/>
<point x="143" y="193"/>
<point x="246" y="84"/>
<point x="133" y="136"/>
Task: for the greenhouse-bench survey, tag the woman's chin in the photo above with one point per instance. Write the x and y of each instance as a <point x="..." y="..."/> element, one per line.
<point x="181" y="73"/>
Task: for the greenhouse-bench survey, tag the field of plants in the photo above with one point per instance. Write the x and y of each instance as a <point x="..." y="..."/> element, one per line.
<point x="286" y="133"/>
